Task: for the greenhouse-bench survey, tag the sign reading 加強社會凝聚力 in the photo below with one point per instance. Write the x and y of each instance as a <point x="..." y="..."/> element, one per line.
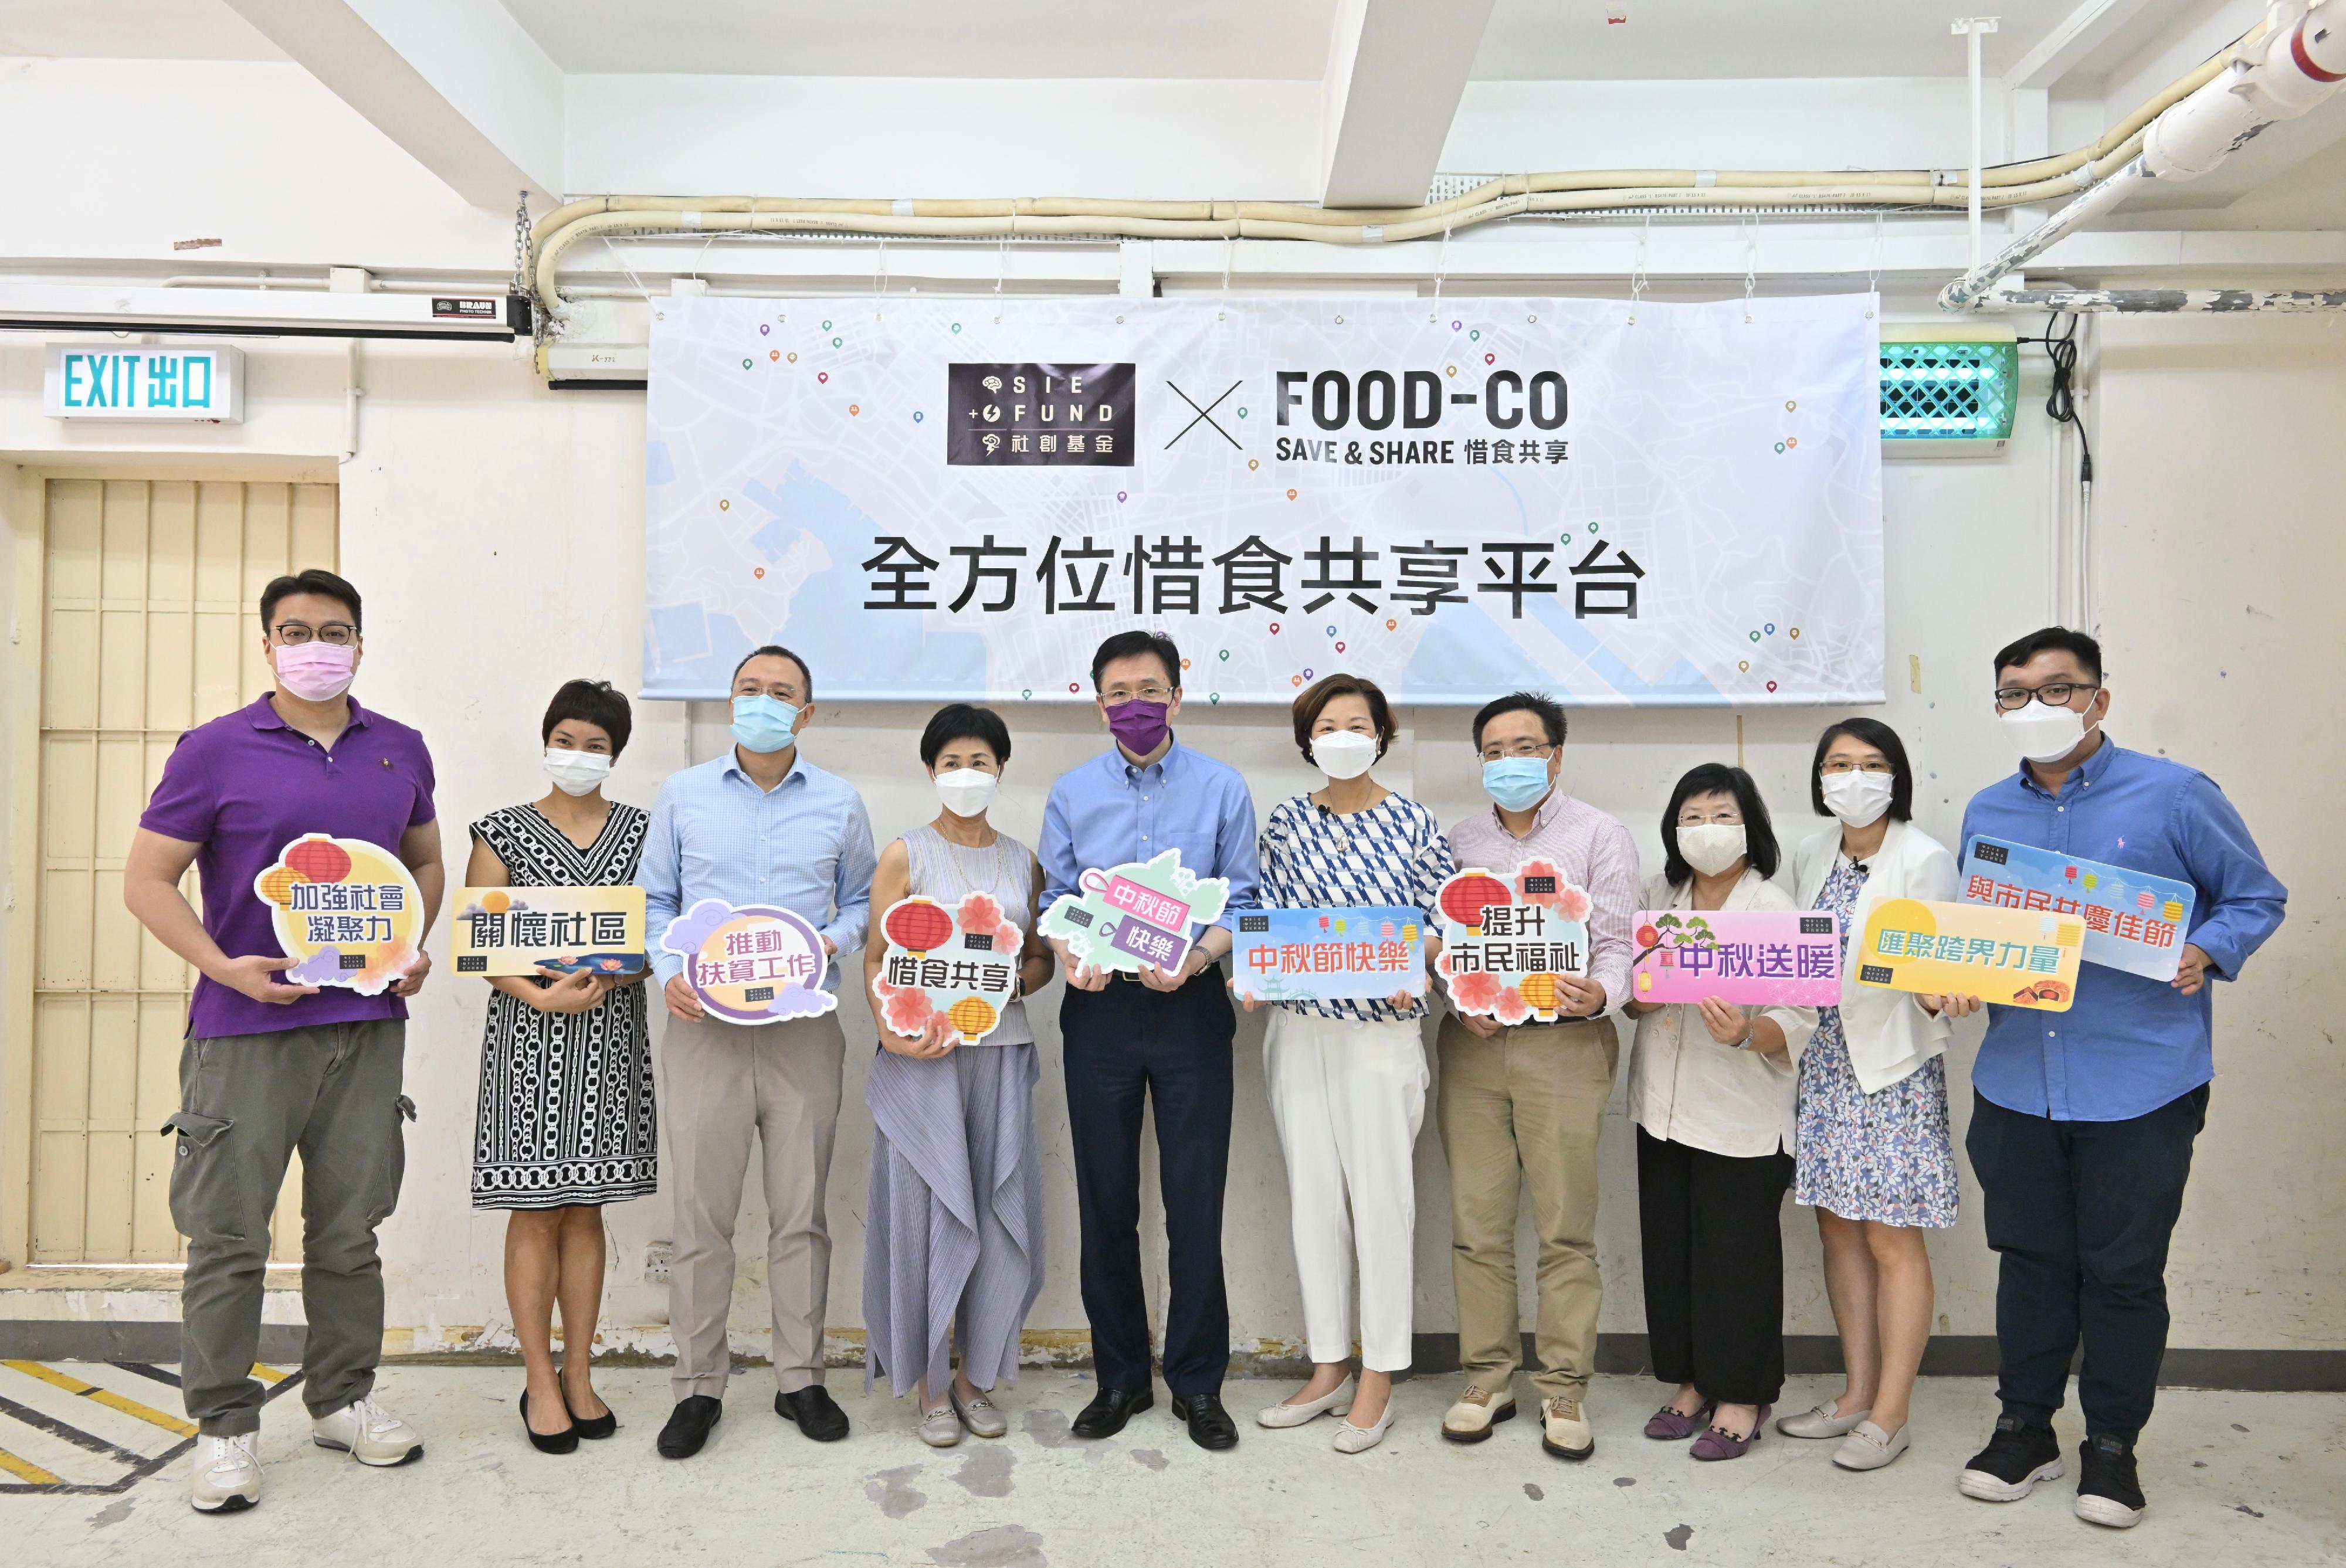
<point x="1328" y="954"/>
<point x="347" y="911"/>
<point x="1766" y="958"/>
<point x="144" y="382"/>
<point x="2134" y="920"/>
<point x="527" y="930"/>
<point x="2020" y="958"/>
<point x="1139" y="913"/>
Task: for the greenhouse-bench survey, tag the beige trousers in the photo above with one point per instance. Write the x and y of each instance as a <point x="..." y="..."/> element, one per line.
<point x="1523" y="1109"/>
<point x="725" y="1081"/>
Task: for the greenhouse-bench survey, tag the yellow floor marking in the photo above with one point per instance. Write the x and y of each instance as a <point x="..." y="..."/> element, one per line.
<point x="25" y="1469"/>
<point x="267" y="1374"/>
<point x="106" y="1397"/>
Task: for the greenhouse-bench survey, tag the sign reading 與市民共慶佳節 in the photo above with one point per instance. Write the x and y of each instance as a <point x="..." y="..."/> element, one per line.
<point x="145" y="381"/>
<point x="1669" y="505"/>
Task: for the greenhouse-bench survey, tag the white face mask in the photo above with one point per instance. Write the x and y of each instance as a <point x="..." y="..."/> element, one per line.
<point x="1342" y="754"/>
<point x="1857" y="797"/>
<point x="965" y="792"/>
<point x="1711" y="847"/>
<point x="577" y="772"/>
<point x="2043" y="734"/>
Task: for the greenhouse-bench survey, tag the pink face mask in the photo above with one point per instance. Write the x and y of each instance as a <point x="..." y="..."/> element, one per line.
<point x="315" y="671"/>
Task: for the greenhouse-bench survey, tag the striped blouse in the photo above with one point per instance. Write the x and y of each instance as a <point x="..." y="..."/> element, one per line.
<point x="1393" y="853"/>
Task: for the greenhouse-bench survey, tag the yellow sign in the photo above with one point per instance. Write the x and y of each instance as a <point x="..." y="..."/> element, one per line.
<point x="521" y="931"/>
<point x="2021" y="958"/>
<point x="349" y="912"/>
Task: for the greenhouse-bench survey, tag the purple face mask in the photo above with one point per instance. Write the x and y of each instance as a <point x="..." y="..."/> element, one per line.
<point x="1139" y="726"/>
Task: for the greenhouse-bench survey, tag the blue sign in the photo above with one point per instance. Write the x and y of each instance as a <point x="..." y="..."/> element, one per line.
<point x="1324" y="954"/>
<point x="2134" y="920"/>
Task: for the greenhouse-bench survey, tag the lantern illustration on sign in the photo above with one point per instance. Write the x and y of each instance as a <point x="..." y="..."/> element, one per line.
<point x="1467" y="896"/>
<point x="319" y="858"/>
<point x="1539" y="991"/>
<point x="972" y="1015"/>
<point x="277" y="885"/>
<point x="918" y="926"/>
<point x="2173" y="910"/>
<point x="2144" y="898"/>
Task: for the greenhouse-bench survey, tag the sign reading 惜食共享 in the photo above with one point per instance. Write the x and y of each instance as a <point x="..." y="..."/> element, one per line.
<point x="1504" y="940"/>
<point x="525" y="931"/>
<point x="144" y="382"/>
<point x="752" y="963"/>
<point x="1669" y="505"/>
<point x="958" y="963"/>
<point x="2020" y="958"/>
<point x="1141" y="913"/>
<point x="347" y="911"/>
<point x="1328" y="954"/>
<point x="1766" y="958"/>
<point x="2134" y="920"/>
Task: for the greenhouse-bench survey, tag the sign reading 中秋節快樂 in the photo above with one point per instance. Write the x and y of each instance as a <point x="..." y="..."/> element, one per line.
<point x="954" y="961"/>
<point x="1673" y="504"/>
<point x="1136" y="913"/>
<point x="144" y="382"/>
<point x="2020" y="958"/>
<point x="752" y="963"/>
<point x="1764" y="957"/>
<point x="1504" y="940"/>
<point x="2134" y="920"/>
<point x="347" y="911"/>
<point x="1328" y="954"/>
<point x="527" y="930"/>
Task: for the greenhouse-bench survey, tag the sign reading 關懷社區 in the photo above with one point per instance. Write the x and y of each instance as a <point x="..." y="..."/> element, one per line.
<point x="527" y="930"/>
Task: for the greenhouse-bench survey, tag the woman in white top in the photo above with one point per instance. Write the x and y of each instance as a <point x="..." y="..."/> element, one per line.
<point x="1710" y="1091"/>
<point x="1876" y="1160"/>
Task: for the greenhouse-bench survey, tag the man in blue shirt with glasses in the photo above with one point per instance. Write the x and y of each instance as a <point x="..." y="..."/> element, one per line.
<point x="2083" y="1121"/>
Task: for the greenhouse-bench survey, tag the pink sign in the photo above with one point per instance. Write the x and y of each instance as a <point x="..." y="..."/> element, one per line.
<point x="1762" y="958"/>
<point x="1156" y="908"/>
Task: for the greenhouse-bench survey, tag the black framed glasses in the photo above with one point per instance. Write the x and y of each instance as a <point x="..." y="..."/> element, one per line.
<point x="293" y="634"/>
<point x="2052" y="694"/>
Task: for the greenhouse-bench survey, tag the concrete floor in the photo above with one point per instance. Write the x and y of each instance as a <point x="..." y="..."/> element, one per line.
<point x="2249" y="1479"/>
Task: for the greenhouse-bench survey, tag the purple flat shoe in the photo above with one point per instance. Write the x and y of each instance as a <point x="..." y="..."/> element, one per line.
<point x="1675" y="1426"/>
<point x="1716" y="1444"/>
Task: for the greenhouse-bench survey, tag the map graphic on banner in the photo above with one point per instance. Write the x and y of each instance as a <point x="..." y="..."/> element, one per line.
<point x="750" y="964"/>
<point x="1135" y="913"/>
<point x="2134" y="920"/>
<point x="1787" y="958"/>
<point x="954" y="961"/>
<point x="1326" y="954"/>
<point x="348" y="911"/>
<point x="1505" y="939"/>
<point x="941" y="499"/>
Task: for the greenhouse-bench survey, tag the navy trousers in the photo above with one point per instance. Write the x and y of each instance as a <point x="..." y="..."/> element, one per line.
<point x="1127" y="1045"/>
<point x="2079" y="1214"/>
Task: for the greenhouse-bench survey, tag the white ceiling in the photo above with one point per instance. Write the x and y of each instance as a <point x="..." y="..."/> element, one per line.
<point x="130" y="29"/>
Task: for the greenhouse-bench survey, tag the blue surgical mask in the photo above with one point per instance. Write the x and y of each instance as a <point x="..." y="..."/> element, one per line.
<point x="1515" y="782"/>
<point x="762" y="723"/>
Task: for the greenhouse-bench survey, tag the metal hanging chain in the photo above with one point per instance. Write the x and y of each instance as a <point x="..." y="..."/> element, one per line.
<point x="1873" y="269"/>
<point x="1637" y="271"/>
<point x="521" y="245"/>
<point x="880" y="275"/>
<point x="1751" y="266"/>
<point x="1440" y="269"/>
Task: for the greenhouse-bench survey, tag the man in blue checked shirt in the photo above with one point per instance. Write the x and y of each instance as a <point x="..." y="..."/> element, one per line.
<point x="2083" y="1121"/>
<point x="759" y="825"/>
<point x="1164" y="1036"/>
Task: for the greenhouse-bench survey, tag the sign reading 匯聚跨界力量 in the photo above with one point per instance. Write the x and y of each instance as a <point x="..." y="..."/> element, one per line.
<point x="2134" y="920"/>
<point x="527" y="930"/>
<point x="753" y="963"/>
<point x="958" y="963"/>
<point x="1328" y="954"/>
<point x="1778" y="958"/>
<point x="2020" y="958"/>
<point x="1140" y="912"/>
<point x="1505" y="940"/>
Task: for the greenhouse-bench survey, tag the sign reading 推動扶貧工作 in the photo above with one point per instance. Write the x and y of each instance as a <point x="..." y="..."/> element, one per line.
<point x="1659" y="505"/>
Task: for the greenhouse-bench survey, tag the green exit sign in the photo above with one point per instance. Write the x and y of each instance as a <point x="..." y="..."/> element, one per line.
<point x="145" y="381"/>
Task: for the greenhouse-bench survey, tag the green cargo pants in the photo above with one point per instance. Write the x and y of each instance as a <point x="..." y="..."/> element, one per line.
<point x="247" y="1101"/>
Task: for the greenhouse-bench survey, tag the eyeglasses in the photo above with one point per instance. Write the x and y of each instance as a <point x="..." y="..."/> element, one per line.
<point x="293" y="634"/>
<point x="1835" y="769"/>
<point x="1115" y="695"/>
<point x="1724" y="817"/>
<point x="2013" y="699"/>
<point x="1495" y="753"/>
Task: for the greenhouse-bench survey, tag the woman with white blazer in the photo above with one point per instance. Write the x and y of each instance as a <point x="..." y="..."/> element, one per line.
<point x="1875" y="1158"/>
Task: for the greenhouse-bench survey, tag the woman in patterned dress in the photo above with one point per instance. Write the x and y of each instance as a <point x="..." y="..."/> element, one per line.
<point x="1876" y="1160"/>
<point x="566" y="1120"/>
<point x="1348" y="1078"/>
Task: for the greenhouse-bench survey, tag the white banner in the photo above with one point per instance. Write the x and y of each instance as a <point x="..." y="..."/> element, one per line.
<point x="935" y="499"/>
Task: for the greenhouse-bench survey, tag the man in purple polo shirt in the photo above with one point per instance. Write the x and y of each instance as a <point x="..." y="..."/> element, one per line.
<point x="269" y="1067"/>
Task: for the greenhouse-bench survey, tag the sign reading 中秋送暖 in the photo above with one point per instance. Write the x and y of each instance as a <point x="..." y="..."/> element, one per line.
<point x="144" y="382"/>
<point x="1137" y="913"/>
<point x="752" y="963"/>
<point x="1328" y="954"/>
<point x="2020" y="958"/>
<point x="1504" y="940"/>
<point x="954" y="961"/>
<point x="1766" y="958"/>
<point x="2134" y="920"/>
<point x="347" y="911"/>
<point x="527" y="930"/>
<point x="1670" y="504"/>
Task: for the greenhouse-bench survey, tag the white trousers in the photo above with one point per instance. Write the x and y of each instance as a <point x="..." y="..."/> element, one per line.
<point x="1348" y="1099"/>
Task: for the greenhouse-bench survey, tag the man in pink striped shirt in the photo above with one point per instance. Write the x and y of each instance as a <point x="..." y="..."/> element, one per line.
<point x="1523" y="1105"/>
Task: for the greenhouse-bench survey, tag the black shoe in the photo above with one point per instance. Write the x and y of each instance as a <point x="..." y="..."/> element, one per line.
<point x="2014" y="1461"/>
<point x="688" y="1426"/>
<point x="1109" y="1409"/>
<point x="817" y="1413"/>
<point x="1211" y="1426"/>
<point x="595" y="1427"/>
<point x="2108" y="1492"/>
<point x="563" y="1441"/>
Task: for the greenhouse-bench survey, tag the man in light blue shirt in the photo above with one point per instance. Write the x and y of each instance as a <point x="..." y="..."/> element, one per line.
<point x="2083" y="1121"/>
<point x="1164" y="1036"/>
<point x="759" y="825"/>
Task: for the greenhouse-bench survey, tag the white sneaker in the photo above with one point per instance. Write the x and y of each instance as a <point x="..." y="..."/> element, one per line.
<point x="226" y="1474"/>
<point x="1336" y="1401"/>
<point x="368" y="1433"/>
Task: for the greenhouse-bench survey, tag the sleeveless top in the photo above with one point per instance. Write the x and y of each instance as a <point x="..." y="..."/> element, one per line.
<point x="1005" y="871"/>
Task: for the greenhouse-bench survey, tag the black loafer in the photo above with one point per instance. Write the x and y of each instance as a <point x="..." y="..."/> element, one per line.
<point x="1109" y="1409"/>
<point x="563" y="1441"/>
<point x="1211" y="1426"/>
<point x="688" y="1426"/>
<point x="816" y="1412"/>
<point x="593" y="1427"/>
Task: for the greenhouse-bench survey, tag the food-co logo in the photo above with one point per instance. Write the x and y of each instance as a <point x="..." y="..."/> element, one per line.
<point x="1374" y="400"/>
<point x="1026" y="416"/>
